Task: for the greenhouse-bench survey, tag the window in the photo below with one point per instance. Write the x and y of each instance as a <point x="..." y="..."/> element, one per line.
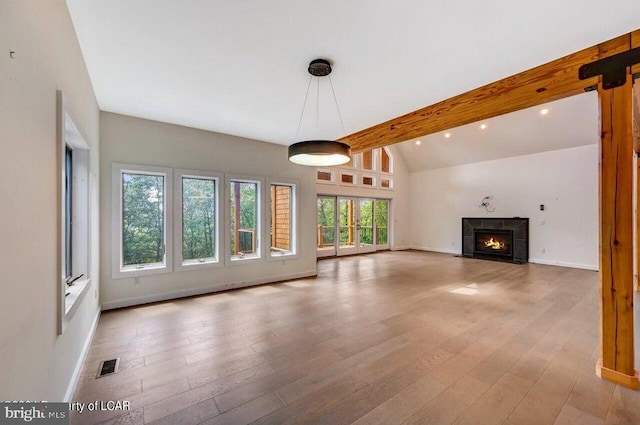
<point x="347" y="178"/>
<point x="68" y="211"/>
<point x="351" y="163"/>
<point x="143" y="220"/>
<point x="197" y="220"/>
<point x="386" y="161"/>
<point x="75" y="221"/>
<point x="324" y="176"/>
<point x="368" y="161"/>
<point x="368" y="181"/>
<point x="283" y="220"/>
<point x="372" y="169"/>
<point x="74" y="217"/>
<point x="244" y="217"/>
<point x="141" y="215"/>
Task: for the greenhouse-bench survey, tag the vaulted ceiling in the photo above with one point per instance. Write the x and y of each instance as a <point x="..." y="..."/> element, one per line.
<point x="562" y="124"/>
<point x="239" y="67"/>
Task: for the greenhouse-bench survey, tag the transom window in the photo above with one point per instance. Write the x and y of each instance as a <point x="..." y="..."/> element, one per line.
<point x="368" y="169"/>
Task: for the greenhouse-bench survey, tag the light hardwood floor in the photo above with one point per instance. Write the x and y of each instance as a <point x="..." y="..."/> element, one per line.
<point x="389" y="338"/>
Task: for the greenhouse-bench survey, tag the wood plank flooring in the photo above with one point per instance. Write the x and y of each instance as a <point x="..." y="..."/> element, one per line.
<point x="388" y="338"/>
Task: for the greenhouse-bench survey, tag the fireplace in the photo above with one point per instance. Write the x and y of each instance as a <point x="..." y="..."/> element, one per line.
<point x="505" y="239"/>
<point x="493" y="243"/>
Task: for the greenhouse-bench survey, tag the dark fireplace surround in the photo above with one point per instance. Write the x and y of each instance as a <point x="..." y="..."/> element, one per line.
<point x="504" y="239"/>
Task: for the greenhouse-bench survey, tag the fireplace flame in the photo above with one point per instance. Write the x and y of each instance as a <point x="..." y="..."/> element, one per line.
<point x="494" y="244"/>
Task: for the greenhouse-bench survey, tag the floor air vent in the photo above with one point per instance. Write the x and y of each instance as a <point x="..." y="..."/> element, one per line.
<point x="108" y="367"/>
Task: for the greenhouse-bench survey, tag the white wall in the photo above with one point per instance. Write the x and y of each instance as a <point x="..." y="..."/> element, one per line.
<point x="137" y="141"/>
<point x="565" y="181"/>
<point x="36" y="363"/>
<point x="399" y="212"/>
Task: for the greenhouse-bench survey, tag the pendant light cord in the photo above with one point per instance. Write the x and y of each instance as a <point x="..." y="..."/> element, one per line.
<point x="317" y="104"/>
<point x="337" y="107"/>
<point x="303" y="106"/>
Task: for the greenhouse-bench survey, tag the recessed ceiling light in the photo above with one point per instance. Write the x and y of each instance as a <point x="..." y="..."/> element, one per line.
<point x="483" y="126"/>
<point x="418" y="142"/>
<point x="544" y="111"/>
<point x="447" y="135"/>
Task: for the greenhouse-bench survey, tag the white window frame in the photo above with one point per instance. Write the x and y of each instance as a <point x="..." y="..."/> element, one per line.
<point x="67" y="134"/>
<point x="295" y="219"/>
<point x="117" y="270"/>
<point x="179" y="264"/>
<point x="259" y="256"/>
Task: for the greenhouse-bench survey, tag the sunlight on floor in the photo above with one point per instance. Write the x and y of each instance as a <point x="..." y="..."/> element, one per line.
<point x="298" y="284"/>
<point x="470" y="289"/>
<point x="215" y="299"/>
<point x="263" y="290"/>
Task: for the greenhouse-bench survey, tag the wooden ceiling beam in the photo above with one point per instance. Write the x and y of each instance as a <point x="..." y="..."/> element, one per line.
<point x="552" y="81"/>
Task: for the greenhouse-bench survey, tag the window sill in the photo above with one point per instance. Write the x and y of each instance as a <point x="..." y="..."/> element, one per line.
<point x="249" y="258"/>
<point x="191" y="266"/>
<point x="282" y="255"/>
<point x="132" y="271"/>
<point x="73" y="294"/>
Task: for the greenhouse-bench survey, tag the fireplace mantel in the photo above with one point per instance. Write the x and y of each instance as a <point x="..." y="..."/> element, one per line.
<point x="519" y="226"/>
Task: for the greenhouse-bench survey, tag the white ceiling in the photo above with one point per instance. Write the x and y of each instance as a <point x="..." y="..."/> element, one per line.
<point x="239" y="67"/>
<point x="568" y="123"/>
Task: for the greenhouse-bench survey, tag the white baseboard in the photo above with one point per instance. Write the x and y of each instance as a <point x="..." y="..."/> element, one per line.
<point x="531" y="260"/>
<point x="400" y="248"/>
<point x="200" y="291"/>
<point x="73" y="383"/>
<point x="564" y="264"/>
<point x="440" y="250"/>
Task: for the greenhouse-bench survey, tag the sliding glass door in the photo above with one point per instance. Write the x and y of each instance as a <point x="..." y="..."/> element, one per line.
<point x="326" y="226"/>
<point x="349" y="225"/>
<point x="365" y="226"/>
<point x="348" y="242"/>
<point x="382" y="224"/>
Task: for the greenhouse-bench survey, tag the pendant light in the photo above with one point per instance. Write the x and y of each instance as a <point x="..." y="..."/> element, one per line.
<point x="319" y="153"/>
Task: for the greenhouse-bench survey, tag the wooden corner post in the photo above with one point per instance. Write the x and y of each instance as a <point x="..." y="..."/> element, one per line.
<point x="616" y="231"/>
